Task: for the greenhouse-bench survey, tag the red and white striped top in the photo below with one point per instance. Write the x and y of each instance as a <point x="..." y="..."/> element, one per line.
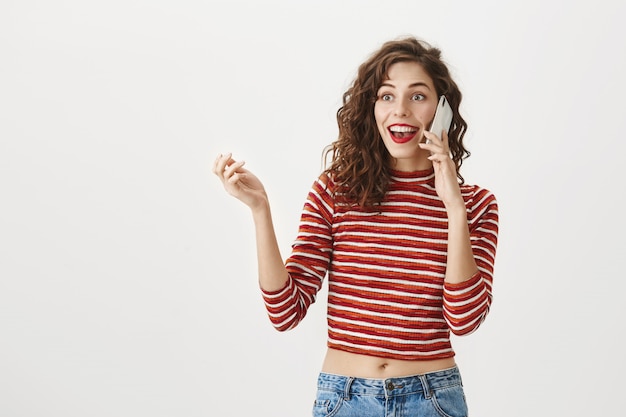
<point x="386" y="267"/>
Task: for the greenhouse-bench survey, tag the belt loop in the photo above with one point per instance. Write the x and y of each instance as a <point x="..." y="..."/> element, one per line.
<point x="346" y="391"/>
<point x="425" y="386"/>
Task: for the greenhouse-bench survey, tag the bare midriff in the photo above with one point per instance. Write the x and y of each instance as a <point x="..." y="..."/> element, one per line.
<point x="363" y="366"/>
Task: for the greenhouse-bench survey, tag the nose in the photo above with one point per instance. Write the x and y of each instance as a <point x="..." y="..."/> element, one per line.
<point x="401" y="109"/>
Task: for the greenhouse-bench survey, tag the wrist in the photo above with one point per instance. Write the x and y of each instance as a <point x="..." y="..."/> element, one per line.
<point x="456" y="209"/>
<point x="260" y="209"/>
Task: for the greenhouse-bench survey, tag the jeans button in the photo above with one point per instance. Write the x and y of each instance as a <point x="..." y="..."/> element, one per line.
<point x="390" y="385"/>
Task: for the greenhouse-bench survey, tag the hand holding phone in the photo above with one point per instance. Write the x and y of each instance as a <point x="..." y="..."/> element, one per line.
<point x="443" y="118"/>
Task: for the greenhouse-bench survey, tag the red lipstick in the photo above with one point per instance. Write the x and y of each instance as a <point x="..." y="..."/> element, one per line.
<point x="402" y="133"/>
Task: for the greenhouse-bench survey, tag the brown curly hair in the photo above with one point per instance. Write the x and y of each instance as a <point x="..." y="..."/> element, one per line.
<point x="360" y="164"/>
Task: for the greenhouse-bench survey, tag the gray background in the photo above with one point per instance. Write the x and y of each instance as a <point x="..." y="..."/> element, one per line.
<point x="127" y="275"/>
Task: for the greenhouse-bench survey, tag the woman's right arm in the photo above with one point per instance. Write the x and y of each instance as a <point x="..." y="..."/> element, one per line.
<point x="246" y="187"/>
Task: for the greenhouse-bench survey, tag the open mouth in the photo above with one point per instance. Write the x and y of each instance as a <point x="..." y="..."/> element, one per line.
<point x="402" y="133"/>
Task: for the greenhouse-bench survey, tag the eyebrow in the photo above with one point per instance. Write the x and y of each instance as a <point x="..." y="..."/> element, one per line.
<point x="417" y="84"/>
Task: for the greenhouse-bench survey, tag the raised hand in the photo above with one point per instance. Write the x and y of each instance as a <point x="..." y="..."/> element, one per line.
<point x="446" y="182"/>
<point x="239" y="182"/>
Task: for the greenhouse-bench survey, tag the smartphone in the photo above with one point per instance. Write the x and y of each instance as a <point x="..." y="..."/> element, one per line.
<point x="443" y="117"/>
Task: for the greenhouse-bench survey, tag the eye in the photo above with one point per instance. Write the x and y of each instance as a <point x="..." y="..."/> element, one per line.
<point x="385" y="97"/>
<point x="418" y="97"/>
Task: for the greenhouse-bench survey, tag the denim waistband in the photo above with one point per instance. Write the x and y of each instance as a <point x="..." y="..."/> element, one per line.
<point x="390" y="386"/>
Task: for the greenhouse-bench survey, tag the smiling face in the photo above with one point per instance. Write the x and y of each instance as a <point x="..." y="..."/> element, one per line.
<point x="405" y="107"/>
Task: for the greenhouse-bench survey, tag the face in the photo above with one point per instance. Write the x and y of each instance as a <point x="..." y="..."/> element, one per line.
<point x="405" y="107"/>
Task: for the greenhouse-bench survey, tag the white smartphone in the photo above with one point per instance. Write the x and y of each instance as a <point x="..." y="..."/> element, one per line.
<point x="443" y="117"/>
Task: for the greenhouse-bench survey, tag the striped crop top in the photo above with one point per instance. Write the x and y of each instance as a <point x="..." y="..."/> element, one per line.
<point x="386" y="268"/>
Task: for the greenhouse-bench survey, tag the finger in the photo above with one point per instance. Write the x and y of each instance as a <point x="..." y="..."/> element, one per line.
<point x="221" y="162"/>
<point x="435" y="157"/>
<point x="433" y="143"/>
<point x="236" y="178"/>
<point x="233" y="168"/>
<point x="443" y="163"/>
<point x="216" y="164"/>
<point x="431" y="138"/>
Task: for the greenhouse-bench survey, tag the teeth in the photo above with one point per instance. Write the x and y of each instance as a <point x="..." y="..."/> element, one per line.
<point x="402" y="129"/>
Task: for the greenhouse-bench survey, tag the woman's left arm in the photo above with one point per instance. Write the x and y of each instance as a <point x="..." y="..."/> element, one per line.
<point x="471" y="247"/>
<point x="461" y="265"/>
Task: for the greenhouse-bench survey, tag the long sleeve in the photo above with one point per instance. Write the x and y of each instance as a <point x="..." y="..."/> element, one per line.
<point x="309" y="261"/>
<point x="466" y="304"/>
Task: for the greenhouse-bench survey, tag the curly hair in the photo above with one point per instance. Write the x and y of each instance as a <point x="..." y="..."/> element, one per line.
<point x="360" y="163"/>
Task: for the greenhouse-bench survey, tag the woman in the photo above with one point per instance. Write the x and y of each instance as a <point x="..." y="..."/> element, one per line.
<point x="408" y="248"/>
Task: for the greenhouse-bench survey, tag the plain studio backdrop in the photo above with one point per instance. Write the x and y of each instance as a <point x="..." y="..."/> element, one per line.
<point x="128" y="276"/>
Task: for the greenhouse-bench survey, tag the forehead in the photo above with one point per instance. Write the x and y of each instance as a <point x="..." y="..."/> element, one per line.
<point x="408" y="73"/>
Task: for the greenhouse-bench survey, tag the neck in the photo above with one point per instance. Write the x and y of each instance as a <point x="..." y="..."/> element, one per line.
<point x="408" y="165"/>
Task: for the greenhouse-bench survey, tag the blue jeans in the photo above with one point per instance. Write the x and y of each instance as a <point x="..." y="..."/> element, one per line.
<point x="435" y="394"/>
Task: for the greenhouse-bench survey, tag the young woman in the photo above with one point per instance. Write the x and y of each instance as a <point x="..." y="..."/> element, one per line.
<point x="408" y="248"/>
